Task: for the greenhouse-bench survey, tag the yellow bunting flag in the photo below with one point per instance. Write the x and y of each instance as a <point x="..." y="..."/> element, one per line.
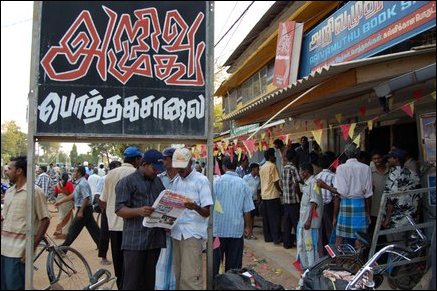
<point x="352" y="130"/>
<point x="390" y="103"/>
<point x="263" y="135"/>
<point x="370" y="124"/>
<point x="357" y="140"/>
<point x="317" y="135"/>
<point x="338" y="117"/>
<point x="239" y="151"/>
<point x="433" y="95"/>
<point x="218" y="207"/>
<point x="316" y="188"/>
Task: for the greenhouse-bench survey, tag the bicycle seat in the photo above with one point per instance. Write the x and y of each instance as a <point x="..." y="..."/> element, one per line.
<point x="364" y="238"/>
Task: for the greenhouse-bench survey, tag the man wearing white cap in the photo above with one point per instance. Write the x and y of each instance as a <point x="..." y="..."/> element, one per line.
<point x="191" y="228"/>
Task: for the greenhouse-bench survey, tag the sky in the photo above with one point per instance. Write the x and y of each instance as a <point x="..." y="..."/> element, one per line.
<point x="16" y="38"/>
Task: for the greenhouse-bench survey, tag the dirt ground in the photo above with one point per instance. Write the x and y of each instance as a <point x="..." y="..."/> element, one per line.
<point x="84" y="244"/>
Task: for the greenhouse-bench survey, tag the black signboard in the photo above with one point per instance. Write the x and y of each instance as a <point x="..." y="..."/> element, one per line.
<point x="122" y="68"/>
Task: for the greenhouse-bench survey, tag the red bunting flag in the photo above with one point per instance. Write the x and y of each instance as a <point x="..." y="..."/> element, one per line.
<point x="335" y="164"/>
<point x="298" y="266"/>
<point x="345" y="130"/>
<point x="417" y="94"/>
<point x="408" y="109"/>
<point x="318" y="124"/>
<point x="363" y="110"/>
<point x="217" y="168"/>
<point x="250" y="146"/>
<point x="216" y="243"/>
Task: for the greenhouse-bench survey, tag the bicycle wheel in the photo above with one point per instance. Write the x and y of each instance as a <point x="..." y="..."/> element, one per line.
<point x="68" y="269"/>
<point x="349" y="262"/>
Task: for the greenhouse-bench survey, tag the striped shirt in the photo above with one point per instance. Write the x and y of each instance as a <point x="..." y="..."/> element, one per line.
<point x="43" y="181"/>
<point x="254" y="184"/>
<point x="14" y="226"/>
<point x="191" y="224"/>
<point x="290" y="180"/>
<point x="328" y="177"/>
<point x="136" y="191"/>
<point x="235" y="199"/>
<point x="82" y="191"/>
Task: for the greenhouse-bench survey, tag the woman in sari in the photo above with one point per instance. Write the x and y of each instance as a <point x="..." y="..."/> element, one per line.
<point x="64" y="201"/>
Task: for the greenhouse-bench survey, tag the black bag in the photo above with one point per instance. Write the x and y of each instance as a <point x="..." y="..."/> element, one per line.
<point x="96" y="206"/>
<point x="235" y="280"/>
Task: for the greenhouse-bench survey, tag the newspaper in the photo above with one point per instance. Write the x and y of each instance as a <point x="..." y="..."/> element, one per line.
<point x="169" y="206"/>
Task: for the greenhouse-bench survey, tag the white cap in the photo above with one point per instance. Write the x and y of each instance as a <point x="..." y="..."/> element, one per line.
<point x="85" y="164"/>
<point x="181" y="158"/>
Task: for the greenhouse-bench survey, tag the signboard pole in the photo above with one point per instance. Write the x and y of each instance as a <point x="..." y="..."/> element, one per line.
<point x="32" y="96"/>
<point x="210" y="116"/>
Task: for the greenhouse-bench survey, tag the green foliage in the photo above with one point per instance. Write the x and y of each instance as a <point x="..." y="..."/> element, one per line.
<point x="51" y="152"/>
<point x="13" y="141"/>
<point x="74" y="155"/>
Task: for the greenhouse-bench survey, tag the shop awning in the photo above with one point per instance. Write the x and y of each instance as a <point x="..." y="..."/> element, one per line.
<point x="335" y="83"/>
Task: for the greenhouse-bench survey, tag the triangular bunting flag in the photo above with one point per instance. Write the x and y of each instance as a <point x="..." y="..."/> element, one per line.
<point x="357" y="140"/>
<point x="408" y="109"/>
<point x="370" y="124"/>
<point x="316" y="188"/>
<point x="263" y="135"/>
<point x="217" y="168"/>
<point x="433" y="95"/>
<point x="250" y="146"/>
<point x="345" y="130"/>
<point x="218" y="207"/>
<point x="239" y="152"/>
<point x="318" y="124"/>
<point x="231" y="154"/>
<point x="216" y="243"/>
<point x="417" y="94"/>
<point x="335" y="164"/>
<point x="352" y="130"/>
<point x="390" y="103"/>
<point x="287" y="138"/>
<point x="317" y="135"/>
<point x="363" y="110"/>
<point x="338" y="117"/>
<point x="203" y="152"/>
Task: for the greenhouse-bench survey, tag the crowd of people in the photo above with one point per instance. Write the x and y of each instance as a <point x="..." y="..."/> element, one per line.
<point x="306" y="198"/>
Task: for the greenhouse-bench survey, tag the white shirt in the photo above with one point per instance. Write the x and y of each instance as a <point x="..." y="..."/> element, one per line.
<point x="191" y="224"/>
<point x="93" y="180"/>
<point x="353" y="180"/>
<point x="115" y="223"/>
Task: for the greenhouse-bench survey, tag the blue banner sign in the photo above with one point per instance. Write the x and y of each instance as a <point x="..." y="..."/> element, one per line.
<point x="363" y="28"/>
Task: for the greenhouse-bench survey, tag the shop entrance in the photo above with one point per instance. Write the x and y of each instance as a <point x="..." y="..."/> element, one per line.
<point x="403" y="136"/>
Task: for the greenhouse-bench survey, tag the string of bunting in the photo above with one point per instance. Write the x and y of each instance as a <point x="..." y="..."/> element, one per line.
<point x="249" y="146"/>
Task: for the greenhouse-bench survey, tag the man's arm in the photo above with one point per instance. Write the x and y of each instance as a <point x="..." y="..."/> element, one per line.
<point x="336" y="210"/>
<point x="248" y="224"/>
<point x="126" y="212"/>
<point x="278" y="187"/>
<point x="203" y="211"/>
<point x="42" y="229"/>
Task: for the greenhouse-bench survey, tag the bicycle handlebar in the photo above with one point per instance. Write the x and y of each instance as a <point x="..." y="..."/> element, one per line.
<point x="97" y="280"/>
<point x="367" y="268"/>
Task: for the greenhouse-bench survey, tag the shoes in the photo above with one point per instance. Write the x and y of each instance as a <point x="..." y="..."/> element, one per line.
<point x="105" y="262"/>
<point x="251" y="237"/>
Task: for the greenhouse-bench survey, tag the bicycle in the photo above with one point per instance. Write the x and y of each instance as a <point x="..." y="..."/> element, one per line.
<point x="67" y="269"/>
<point x="346" y="258"/>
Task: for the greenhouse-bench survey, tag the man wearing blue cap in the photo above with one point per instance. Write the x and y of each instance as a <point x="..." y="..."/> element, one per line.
<point x="132" y="158"/>
<point x="135" y="195"/>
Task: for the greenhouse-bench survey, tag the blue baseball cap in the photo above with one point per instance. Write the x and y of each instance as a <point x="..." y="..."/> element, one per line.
<point x="155" y="158"/>
<point x="168" y="152"/>
<point x="132" y="152"/>
<point x="396" y="153"/>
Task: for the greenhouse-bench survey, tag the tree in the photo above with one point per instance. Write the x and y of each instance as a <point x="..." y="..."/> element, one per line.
<point x="74" y="155"/>
<point x="51" y="151"/>
<point x="218" y="115"/>
<point x="13" y="141"/>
